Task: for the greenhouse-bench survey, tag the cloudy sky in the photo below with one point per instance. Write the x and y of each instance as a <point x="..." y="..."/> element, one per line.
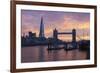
<point x="62" y="21"/>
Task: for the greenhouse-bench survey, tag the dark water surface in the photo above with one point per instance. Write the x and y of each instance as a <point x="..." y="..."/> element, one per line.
<point x="41" y="54"/>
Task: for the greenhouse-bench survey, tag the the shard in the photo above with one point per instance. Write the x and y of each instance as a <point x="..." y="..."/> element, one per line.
<point x="41" y="33"/>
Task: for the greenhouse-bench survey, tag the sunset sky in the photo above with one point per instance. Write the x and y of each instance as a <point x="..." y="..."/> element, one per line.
<point x="62" y="21"/>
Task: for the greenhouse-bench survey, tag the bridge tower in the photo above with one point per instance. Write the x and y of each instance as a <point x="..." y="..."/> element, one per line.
<point x="73" y="35"/>
<point x="55" y="33"/>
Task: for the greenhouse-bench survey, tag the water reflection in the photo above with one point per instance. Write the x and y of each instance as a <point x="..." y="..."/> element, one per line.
<point x="41" y="54"/>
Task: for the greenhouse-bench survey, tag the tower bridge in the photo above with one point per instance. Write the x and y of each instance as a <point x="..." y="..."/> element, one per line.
<point x="73" y="33"/>
<point x="61" y="45"/>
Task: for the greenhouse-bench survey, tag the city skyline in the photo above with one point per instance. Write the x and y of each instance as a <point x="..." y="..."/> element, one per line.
<point x="62" y="21"/>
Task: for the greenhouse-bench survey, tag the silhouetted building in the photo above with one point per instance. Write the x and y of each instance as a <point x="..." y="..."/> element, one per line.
<point x="41" y="33"/>
<point x="32" y="34"/>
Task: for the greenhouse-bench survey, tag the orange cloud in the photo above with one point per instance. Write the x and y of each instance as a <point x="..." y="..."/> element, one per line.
<point x="69" y="25"/>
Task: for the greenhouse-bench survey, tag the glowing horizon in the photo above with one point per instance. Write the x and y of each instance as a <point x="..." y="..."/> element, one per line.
<point x="62" y="21"/>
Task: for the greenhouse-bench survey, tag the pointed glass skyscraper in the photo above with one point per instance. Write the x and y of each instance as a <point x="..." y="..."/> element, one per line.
<point x="41" y="33"/>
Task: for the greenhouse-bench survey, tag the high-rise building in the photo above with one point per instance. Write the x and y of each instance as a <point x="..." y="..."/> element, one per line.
<point x="41" y="33"/>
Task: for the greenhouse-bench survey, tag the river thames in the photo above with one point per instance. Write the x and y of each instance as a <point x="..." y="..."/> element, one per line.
<point x="41" y="54"/>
